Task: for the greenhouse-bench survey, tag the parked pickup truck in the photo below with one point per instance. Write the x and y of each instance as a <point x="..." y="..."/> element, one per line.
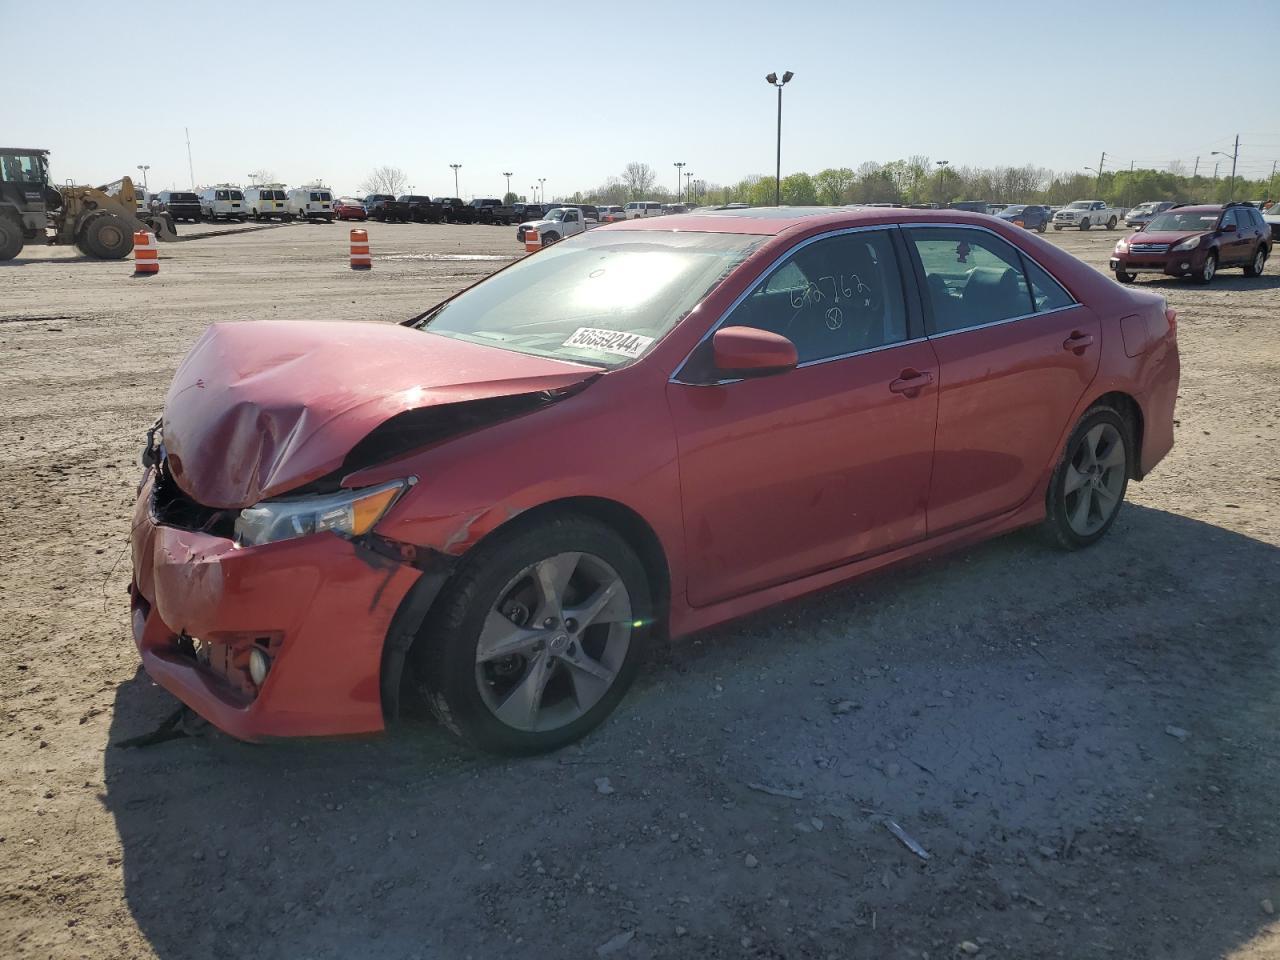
<point x="559" y="223"/>
<point x="1087" y="213"/>
<point x="385" y="208"/>
<point x="455" y="211"/>
<point x="423" y="209"/>
<point x="495" y="212"/>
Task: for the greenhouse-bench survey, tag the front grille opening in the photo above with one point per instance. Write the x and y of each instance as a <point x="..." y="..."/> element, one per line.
<point x="174" y="508"/>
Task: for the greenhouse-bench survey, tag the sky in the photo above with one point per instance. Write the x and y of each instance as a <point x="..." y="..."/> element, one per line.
<point x="572" y="92"/>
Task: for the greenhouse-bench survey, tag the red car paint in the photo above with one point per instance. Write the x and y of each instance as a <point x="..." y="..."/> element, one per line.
<point x="876" y="470"/>
<point x="349" y="211"/>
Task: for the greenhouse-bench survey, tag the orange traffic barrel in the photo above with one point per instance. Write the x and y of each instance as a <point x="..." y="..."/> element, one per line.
<point x="361" y="259"/>
<point x="532" y="242"/>
<point x="146" y="254"/>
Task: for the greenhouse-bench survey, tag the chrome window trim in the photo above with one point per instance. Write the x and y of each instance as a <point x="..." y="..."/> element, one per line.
<point x="842" y="231"/>
<point x="675" y="376"/>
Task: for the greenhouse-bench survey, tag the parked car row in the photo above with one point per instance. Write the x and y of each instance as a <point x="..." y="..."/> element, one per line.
<point x="225" y="201"/>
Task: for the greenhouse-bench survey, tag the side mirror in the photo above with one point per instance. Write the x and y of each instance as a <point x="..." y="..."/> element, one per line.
<point x="1228" y="228"/>
<point x="748" y="352"/>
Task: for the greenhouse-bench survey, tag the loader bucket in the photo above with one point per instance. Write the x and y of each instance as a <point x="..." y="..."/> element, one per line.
<point x="161" y="224"/>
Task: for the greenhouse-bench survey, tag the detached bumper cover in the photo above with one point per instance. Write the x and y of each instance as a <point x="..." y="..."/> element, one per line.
<point x="325" y="602"/>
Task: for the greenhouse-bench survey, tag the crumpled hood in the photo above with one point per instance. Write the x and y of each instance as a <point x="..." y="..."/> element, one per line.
<point x="257" y="409"/>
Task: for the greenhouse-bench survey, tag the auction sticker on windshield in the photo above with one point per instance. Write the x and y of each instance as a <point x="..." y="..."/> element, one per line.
<point x="624" y="344"/>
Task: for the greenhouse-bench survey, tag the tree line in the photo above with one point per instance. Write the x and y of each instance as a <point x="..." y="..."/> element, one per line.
<point x="918" y="180"/>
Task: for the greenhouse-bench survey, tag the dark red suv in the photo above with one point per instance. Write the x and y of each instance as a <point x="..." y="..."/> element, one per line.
<point x="1196" y="241"/>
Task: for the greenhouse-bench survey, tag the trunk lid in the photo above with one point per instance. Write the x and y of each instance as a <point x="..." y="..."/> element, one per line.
<point x="257" y="409"/>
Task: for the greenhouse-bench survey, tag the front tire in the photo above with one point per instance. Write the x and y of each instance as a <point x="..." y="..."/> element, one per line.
<point x="1124" y="277"/>
<point x="536" y="638"/>
<point x="1057" y="226"/>
<point x="1088" y="487"/>
<point x="107" y="237"/>
<point x="550" y="238"/>
<point x="1084" y="224"/>
<point x="1209" y="270"/>
<point x="1255" y="266"/>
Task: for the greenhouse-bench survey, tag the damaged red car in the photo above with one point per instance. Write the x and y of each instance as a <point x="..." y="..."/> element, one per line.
<point x="653" y="427"/>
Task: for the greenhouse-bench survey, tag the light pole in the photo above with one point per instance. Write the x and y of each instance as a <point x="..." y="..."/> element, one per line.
<point x="688" y="186"/>
<point x="542" y="190"/>
<point x="1234" y="155"/>
<point x="144" y="167"/>
<point x="772" y="80"/>
<point x="455" y="167"/>
<point x="508" y="176"/>
<point x="942" y="166"/>
<point x="679" y="165"/>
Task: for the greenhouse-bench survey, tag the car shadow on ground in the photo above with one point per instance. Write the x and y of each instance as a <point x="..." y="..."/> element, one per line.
<point x="1221" y="281"/>
<point x="1083" y="742"/>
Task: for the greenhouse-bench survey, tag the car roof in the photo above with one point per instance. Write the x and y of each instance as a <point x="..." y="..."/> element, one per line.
<point x="1199" y="208"/>
<point x="774" y="221"/>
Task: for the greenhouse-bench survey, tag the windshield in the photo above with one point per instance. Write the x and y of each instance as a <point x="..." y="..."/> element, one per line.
<point x="1079" y="205"/>
<point x="1176" y="221"/>
<point x="1145" y="208"/>
<point x="555" y="215"/>
<point x="182" y="197"/>
<point x="1011" y="211"/>
<point x="600" y="298"/>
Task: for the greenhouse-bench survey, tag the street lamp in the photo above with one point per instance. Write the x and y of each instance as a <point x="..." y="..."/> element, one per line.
<point x="772" y="80"/>
<point x="456" y="167"/>
<point x="542" y="189"/>
<point x="508" y="176"/>
<point x="679" y="165"/>
<point x="144" y="167"/>
<point x="688" y="187"/>
<point x="1234" y="155"/>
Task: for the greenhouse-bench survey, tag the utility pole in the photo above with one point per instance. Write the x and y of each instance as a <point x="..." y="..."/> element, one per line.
<point x="1234" y="155"/>
<point x="1101" y="163"/>
<point x="1196" y="171"/>
<point x="190" y="169"/>
<point x="456" y="167"/>
<point x="1272" y="179"/>
<point x="1131" y="163"/>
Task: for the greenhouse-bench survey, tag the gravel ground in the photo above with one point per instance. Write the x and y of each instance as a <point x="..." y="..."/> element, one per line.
<point x="1085" y="745"/>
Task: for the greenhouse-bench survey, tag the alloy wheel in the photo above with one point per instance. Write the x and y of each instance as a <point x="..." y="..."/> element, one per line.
<point x="552" y="645"/>
<point x="1095" y="479"/>
<point x="1259" y="260"/>
<point x="1210" y="267"/>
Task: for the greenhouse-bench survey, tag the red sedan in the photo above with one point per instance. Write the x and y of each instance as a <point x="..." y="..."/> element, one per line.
<point x="348" y="208"/>
<point x="656" y="426"/>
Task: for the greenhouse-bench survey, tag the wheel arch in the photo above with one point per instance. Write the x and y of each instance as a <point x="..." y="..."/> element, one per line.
<point x="1131" y="411"/>
<point x="438" y="570"/>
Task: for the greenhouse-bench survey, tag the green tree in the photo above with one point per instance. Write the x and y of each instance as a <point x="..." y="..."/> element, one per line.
<point x="835" y="185"/>
<point x="798" y="190"/>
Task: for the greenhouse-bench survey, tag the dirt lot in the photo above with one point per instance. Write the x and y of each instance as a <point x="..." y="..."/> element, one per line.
<point x="1086" y="745"/>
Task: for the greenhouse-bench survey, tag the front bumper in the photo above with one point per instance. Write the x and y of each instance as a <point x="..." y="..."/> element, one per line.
<point x="321" y="606"/>
<point x="1181" y="264"/>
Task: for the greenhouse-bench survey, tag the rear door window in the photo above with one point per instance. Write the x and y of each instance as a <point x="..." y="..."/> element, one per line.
<point x="971" y="278"/>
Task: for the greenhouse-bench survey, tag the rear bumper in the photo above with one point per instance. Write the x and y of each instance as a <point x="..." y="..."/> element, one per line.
<point x="321" y="605"/>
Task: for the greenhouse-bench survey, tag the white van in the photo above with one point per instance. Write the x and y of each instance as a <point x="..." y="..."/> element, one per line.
<point x="265" y="201"/>
<point x="643" y="208"/>
<point x="313" y="202"/>
<point x="223" y="202"/>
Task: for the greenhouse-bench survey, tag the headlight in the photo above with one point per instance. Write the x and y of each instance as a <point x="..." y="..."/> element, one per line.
<point x="1189" y="244"/>
<point x="1122" y="246"/>
<point x="349" y="512"/>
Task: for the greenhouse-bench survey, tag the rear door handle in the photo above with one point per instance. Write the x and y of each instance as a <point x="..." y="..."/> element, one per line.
<point x="1077" y="342"/>
<point x="910" y="382"/>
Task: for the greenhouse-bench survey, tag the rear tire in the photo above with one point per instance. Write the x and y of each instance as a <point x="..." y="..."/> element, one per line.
<point x="1255" y="266"/>
<point x="476" y="693"/>
<point x="11" y="239"/>
<point x="1040" y="227"/>
<point x="107" y="237"/>
<point x="1088" y="487"/>
<point x="1111" y="224"/>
